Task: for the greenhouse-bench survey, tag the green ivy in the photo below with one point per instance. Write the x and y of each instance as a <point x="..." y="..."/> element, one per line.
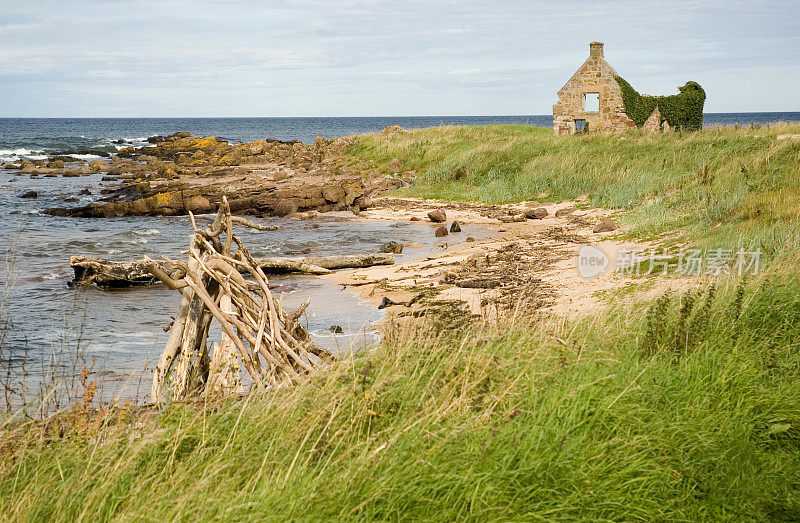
<point x="683" y="111"/>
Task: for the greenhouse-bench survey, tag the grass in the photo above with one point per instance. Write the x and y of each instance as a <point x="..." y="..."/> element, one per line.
<point x="735" y="186"/>
<point x="685" y="408"/>
<point x="677" y="411"/>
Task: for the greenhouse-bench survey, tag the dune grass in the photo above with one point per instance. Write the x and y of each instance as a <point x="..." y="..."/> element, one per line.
<point x="683" y="410"/>
<point x="734" y="186"/>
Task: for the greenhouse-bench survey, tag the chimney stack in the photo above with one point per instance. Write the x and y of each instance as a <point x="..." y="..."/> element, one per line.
<point x="596" y="50"/>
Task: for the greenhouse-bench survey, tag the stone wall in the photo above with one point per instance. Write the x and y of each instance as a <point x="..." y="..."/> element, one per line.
<point x="653" y="122"/>
<point x="594" y="76"/>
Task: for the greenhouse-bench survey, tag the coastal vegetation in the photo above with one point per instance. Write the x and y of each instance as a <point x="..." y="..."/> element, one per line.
<point x="683" y="111"/>
<point x="683" y="410"/>
<point x="726" y="186"/>
<point x="681" y="407"/>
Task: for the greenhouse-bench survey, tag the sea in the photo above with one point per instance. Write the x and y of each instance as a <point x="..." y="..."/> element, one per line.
<point x="50" y="331"/>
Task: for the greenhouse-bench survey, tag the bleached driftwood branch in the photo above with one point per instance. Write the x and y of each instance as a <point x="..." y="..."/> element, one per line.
<point x="256" y="331"/>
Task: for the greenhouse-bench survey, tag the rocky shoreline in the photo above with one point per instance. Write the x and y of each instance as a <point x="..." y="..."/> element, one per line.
<point x="180" y="173"/>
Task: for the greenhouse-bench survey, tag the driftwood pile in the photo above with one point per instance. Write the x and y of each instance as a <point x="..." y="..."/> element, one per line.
<point x="256" y="331"/>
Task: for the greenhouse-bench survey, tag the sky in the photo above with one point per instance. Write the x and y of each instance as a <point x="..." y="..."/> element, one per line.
<point x="174" y="58"/>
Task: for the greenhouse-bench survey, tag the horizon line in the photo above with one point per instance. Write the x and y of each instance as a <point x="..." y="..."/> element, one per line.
<point x="330" y="117"/>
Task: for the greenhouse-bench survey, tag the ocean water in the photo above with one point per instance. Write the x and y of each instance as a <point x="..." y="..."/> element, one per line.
<point x="47" y="327"/>
<point x="50" y="327"/>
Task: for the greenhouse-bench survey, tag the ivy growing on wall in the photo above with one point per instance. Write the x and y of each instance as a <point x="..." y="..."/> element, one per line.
<point x="683" y="111"/>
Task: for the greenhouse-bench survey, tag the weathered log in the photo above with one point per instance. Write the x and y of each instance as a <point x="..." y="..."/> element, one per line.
<point x="107" y="273"/>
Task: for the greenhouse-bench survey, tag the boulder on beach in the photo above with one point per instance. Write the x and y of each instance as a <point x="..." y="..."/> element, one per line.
<point x="9" y="166"/>
<point x="536" y="214"/>
<point x="437" y="216"/>
<point x="441" y="231"/>
<point x="392" y="247"/>
<point x="606" y="225"/>
<point x="565" y="211"/>
<point x="455" y="227"/>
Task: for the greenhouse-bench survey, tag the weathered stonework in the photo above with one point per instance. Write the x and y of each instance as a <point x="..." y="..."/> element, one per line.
<point x="595" y="76"/>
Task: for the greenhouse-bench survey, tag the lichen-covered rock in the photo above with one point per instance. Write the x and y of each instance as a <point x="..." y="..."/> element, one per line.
<point x="333" y="193"/>
<point x="98" y="165"/>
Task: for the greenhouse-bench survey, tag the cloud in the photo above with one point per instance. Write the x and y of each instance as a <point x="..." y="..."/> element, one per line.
<point x="352" y="56"/>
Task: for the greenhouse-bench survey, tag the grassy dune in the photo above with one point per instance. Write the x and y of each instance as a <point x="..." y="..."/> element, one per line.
<point x="686" y="408"/>
<point x="728" y="186"/>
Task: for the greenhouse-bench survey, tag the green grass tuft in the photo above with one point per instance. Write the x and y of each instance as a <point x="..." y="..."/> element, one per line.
<point x="603" y="419"/>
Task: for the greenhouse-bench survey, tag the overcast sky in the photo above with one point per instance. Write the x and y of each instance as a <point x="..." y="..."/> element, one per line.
<point x="361" y="58"/>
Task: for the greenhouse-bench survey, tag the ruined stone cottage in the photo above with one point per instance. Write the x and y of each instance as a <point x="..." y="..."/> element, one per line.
<point x="596" y="99"/>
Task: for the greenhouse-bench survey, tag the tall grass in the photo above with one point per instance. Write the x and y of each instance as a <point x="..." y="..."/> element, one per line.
<point x="735" y="184"/>
<point x="683" y="410"/>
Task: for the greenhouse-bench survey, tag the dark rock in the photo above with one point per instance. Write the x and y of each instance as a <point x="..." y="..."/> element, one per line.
<point x="71" y="199"/>
<point x="415" y="219"/>
<point x="386" y="302"/>
<point x="156" y="139"/>
<point x="29" y="194"/>
<point x="85" y="191"/>
<point x="336" y="329"/>
<point x="438" y="216"/>
<point x="455" y="227"/>
<point x="470" y="239"/>
<point x="392" y="247"/>
<point x="441" y="231"/>
<point x="536" y="214"/>
<point x="67" y="159"/>
<point x="285" y="207"/>
<point x="607" y="225"/>
<point x="565" y="211"/>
